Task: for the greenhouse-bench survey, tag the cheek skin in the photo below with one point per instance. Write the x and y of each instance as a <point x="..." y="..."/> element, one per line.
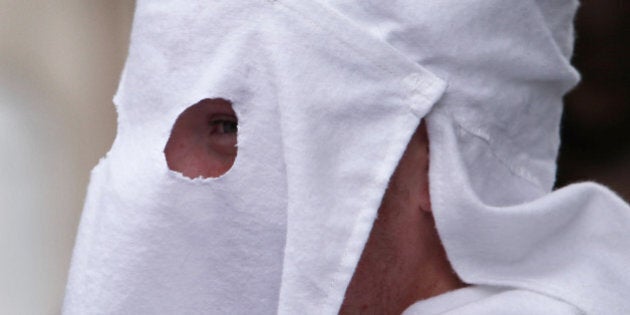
<point x="193" y="150"/>
<point x="403" y="260"/>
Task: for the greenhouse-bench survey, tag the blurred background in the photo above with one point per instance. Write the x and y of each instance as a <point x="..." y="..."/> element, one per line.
<point x="59" y="67"/>
<point x="596" y="124"/>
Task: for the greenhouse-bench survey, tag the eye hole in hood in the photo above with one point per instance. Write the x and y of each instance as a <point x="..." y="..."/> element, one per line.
<point x="203" y="141"/>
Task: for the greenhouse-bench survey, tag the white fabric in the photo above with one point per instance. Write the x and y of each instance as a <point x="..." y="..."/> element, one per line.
<point x="486" y="300"/>
<point x="328" y="94"/>
<point x="283" y="229"/>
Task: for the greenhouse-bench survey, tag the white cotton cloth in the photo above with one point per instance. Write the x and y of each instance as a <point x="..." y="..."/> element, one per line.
<point x="489" y="300"/>
<point x="328" y="94"/>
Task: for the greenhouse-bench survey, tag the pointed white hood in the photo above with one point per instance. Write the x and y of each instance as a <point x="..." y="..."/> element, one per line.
<point x="328" y="95"/>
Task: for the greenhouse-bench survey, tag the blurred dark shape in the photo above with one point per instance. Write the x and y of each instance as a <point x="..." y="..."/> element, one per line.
<point x="596" y="123"/>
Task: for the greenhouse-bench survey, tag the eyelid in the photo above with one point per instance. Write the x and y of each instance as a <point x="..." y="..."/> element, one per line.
<point x="217" y="118"/>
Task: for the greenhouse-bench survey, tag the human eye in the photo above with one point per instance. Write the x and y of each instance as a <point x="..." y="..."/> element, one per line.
<point x="223" y="125"/>
<point x="222" y="132"/>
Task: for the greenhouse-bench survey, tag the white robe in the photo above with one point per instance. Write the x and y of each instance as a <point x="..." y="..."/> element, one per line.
<point x="328" y="95"/>
<point x="488" y="300"/>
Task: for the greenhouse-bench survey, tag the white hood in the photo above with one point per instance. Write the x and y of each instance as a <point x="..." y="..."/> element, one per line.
<point x="328" y="95"/>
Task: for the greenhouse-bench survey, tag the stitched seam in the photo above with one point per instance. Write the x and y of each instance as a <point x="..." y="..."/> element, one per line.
<point x="519" y="171"/>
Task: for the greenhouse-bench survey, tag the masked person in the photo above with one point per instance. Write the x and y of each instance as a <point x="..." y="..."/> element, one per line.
<point x="272" y="158"/>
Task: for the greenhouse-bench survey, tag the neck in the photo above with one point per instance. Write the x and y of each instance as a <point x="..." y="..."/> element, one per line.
<point x="399" y="267"/>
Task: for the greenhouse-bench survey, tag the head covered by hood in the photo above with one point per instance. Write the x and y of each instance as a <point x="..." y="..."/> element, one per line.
<point x="328" y="94"/>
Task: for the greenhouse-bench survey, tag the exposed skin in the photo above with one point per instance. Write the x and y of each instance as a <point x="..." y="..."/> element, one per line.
<point x="202" y="142"/>
<point x="403" y="261"/>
